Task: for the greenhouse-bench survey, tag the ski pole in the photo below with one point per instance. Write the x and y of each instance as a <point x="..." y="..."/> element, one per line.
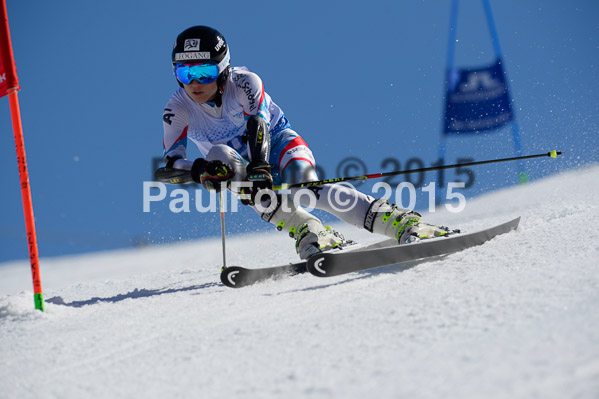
<point x="222" y="227"/>
<point x="551" y="154"/>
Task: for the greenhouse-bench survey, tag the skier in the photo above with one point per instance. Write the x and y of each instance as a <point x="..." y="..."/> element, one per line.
<point x="248" y="144"/>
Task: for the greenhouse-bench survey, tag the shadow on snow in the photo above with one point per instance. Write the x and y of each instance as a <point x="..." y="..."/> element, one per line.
<point x="145" y="293"/>
<point x="136" y="293"/>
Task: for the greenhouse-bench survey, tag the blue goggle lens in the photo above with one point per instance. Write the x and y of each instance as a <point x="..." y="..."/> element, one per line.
<point x="203" y="73"/>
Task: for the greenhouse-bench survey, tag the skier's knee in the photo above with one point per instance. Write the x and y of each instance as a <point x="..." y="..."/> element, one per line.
<point x="299" y="171"/>
<point x="223" y="153"/>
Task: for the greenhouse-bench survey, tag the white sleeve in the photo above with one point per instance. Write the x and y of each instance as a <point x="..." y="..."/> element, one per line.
<point x="175" y="123"/>
<point x="251" y="95"/>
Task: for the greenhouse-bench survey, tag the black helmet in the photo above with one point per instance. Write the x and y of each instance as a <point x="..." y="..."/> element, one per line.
<point x="203" y="44"/>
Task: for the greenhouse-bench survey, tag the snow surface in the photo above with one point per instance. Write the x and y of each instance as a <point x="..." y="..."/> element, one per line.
<point x="515" y="318"/>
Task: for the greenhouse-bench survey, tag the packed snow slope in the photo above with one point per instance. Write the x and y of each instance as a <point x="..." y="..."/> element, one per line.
<point x="517" y="317"/>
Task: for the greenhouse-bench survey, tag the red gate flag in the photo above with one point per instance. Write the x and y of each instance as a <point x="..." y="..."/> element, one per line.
<point x="8" y="70"/>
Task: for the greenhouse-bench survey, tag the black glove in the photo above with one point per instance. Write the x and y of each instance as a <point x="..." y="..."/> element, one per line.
<point x="261" y="179"/>
<point x="211" y="174"/>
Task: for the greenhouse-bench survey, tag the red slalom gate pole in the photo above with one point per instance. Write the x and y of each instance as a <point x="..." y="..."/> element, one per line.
<point x="9" y="84"/>
<point x="38" y="295"/>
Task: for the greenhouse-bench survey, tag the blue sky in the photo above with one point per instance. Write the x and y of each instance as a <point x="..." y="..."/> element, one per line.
<point x="361" y="80"/>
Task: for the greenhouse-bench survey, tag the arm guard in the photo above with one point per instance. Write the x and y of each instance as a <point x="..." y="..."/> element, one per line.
<point x="173" y="176"/>
<point x="170" y="174"/>
<point x="258" y="142"/>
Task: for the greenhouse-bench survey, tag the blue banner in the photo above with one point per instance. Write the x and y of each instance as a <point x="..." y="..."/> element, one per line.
<point x="477" y="99"/>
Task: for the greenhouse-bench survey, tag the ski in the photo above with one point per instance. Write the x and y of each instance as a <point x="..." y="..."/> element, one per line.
<point x="237" y="276"/>
<point x="363" y="257"/>
<point x="335" y="264"/>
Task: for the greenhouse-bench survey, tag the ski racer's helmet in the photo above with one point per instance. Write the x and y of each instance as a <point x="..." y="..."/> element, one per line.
<point x="205" y="45"/>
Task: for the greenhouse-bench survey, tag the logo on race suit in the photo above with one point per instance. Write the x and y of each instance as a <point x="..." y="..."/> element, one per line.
<point x="247" y="88"/>
<point x="168" y="114"/>
<point x="198" y="55"/>
<point x="294" y="150"/>
<point x="220" y="43"/>
<point x="191" y="45"/>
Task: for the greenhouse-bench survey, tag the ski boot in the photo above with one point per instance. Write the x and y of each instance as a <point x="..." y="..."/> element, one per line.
<point x="401" y="224"/>
<point x="311" y="236"/>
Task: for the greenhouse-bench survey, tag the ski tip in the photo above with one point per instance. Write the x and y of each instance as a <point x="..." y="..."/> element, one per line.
<point x="317" y="264"/>
<point x="228" y="276"/>
<point x="516" y="222"/>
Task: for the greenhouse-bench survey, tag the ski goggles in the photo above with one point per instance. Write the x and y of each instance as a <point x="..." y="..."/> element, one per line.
<point x="203" y="73"/>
